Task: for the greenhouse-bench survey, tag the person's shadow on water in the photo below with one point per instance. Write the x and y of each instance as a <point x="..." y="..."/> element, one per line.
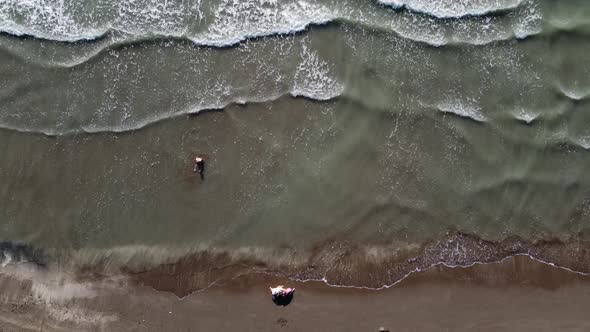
<point x="202" y="170"/>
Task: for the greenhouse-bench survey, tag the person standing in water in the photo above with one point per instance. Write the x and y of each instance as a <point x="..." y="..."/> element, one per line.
<point x="200" y="166"/>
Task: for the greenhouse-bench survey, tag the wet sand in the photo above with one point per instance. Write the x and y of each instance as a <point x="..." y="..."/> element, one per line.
<point x="347" y="264"/>
<point x="518" y="294"/>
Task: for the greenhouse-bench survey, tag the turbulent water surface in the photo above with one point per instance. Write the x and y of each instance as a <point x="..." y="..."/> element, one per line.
<point x="382" y="136"/>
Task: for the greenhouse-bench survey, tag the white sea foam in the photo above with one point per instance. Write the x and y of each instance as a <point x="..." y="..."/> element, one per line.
<point x="469" y="30"/>
<point x="314" y="78"/>
<point x="48" y="19"/>
<point x="528" y="19"/>
<point x="423" y="29"/>
<point x="167" y="18"/>
<point x="480" y="31"/>
<point x="236" y="20"/>
<point x="453" y="8"/>
<point x="232" y="21"/>
<point x="583" y="142"/>
<point x="70" y="20"/>
<point x="466" y="109"/>
<point x="575" y="94"/>
<point x="526" y="116"/>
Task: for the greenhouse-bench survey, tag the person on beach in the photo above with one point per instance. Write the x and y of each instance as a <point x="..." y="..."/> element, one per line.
<point x="200" y="166"/>
<point x="282" y="296"/>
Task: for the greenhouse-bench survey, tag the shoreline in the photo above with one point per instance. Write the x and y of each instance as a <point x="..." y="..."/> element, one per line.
<point x="518" y="293"/>
<point x="354" y="266"/>
<point x="183" y="272"/>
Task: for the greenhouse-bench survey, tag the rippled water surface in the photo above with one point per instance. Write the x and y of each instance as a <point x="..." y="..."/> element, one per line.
<point x="386" y="125"/>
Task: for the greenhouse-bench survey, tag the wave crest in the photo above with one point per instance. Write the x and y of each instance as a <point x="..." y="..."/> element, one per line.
<point x="453" y="8"/>
<point x="235" y="21"/>
<point x="230" y="22"/>
<point x="314" y="78"/>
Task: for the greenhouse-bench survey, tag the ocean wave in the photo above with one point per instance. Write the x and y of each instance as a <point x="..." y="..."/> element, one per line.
<point x="525" y="116"/>
<point x="464" y="108"/>
<point x="568" y="15"/>
<point x="95" y="128"/>
<point x="576" y="24"/>
<point x="230" y="22"/>
<point x="298" y="71"/>
<point x="47" y="19"/>
<point x="313" y="81"/>
<point x="314" y="78"/>
<point x="455" y="8"/>
<point x="555" y="138"/>
<point x="70" y="56"/>
<point x="528" y="20"/>
<point x="470" y="30"/>
<point x="583" y="142"/>
<point x="235" y="21"/>
<point x="98" y="128"/>
<point x="529" y="115"/>
<point x="475" y="31"/>
<point x="575" y="93"/>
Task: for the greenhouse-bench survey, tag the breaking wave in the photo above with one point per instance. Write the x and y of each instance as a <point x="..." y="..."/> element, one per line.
<point x="457" y="8"/>
<point x="229" y="22"/>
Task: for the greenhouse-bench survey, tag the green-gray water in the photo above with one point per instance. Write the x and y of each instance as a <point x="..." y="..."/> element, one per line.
<point x="352" y="123"/>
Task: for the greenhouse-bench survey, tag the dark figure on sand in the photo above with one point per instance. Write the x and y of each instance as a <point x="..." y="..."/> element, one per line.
<point x="200" y="166"/>
<point x="282" y="296"/>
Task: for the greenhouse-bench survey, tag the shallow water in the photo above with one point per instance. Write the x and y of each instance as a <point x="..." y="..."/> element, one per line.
<point x="381" y="124"/>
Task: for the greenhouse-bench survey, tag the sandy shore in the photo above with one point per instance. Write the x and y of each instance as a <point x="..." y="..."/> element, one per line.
<point x="518" y="294"/>
<point x="349" y="264"/>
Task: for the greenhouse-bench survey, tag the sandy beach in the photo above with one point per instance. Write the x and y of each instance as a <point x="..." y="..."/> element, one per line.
<point x="518" y="294"/>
